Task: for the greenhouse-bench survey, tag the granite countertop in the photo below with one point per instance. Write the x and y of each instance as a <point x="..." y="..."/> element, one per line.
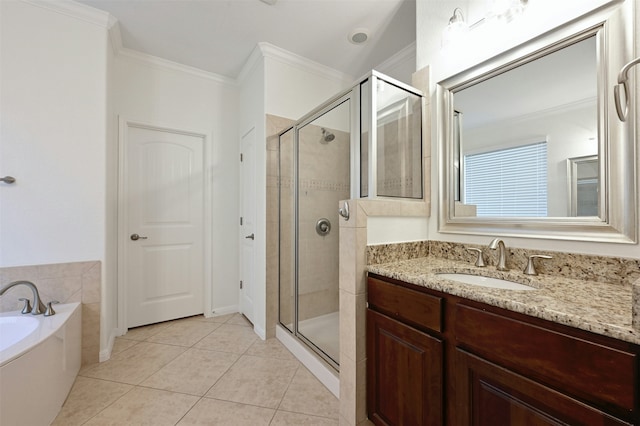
<point x="598" y="307"/>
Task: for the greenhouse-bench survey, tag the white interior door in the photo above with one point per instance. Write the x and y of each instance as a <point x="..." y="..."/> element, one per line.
<point x="247" y="228"/>
<point x="164" y="241"/>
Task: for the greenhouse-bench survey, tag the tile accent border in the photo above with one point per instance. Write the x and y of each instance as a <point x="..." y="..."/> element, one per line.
<point x="66" y="283"/>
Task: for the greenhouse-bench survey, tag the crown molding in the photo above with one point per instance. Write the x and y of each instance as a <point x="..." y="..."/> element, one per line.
<point x="155" y="61"/>
<point x="250" y="64"/>
<point x="75" y="10"/>
<point x="115" y="36"/>
<point x="268" y="50"/>
<point x="401" y="56"/>
<point x="274" y="52"/>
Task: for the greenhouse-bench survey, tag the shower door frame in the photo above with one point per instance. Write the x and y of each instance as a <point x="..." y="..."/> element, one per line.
<point x="354" y="96"/>
<point x="348" y="96"/>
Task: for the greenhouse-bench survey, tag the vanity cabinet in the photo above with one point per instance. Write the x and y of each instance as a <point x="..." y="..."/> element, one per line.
<point x="404" y="364"/>
<point x="434" y="358"/>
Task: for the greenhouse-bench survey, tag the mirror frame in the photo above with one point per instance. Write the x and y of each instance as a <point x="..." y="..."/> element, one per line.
<point x="617" y="222"/>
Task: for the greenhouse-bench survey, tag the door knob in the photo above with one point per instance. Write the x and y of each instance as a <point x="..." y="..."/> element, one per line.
<point x="251" y="237"/>
<point x="136" y="237"/>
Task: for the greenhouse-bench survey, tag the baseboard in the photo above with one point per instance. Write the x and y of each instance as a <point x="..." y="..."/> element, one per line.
<point x="222" y="310"/>
<point x="260" y="331"/>
<point x="327" y="375"/>
<point x="105" y="354"/>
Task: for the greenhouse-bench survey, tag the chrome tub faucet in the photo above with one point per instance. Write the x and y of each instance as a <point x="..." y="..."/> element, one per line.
<point x="38" y="306"/>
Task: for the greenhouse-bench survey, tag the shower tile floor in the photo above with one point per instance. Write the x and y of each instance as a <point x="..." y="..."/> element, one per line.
<point x="198" y="371"/>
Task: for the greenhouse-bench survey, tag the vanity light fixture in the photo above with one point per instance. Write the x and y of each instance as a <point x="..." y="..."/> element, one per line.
<point x="456" y="28"/>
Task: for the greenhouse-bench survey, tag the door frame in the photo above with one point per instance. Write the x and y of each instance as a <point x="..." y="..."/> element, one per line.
<point x="123" y="125"/>
<point x="241" y="232"/>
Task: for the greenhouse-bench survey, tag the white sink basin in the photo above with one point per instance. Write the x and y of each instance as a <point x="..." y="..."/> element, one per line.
<point x="485" y="281"/>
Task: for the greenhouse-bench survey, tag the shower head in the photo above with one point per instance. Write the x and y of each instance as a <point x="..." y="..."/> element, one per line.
<point x="327" y="136"/>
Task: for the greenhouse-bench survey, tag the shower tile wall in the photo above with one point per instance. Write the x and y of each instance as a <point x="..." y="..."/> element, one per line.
<point x="66" y="283"/>
<point x="323" y="180"/>
<point x="318" y="199"/>
<point x="274" y="125"/>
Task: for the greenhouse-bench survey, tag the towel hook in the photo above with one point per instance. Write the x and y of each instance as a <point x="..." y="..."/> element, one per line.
<point x="623" y="79"/>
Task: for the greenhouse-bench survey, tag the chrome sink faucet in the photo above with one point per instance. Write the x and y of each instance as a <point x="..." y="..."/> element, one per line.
<point x="497" y="243"/>
<point x="38" y="306"/>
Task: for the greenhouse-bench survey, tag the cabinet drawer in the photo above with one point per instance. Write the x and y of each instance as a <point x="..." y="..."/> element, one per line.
<point x="410" y="306"/>
<point x="599" y="374"/>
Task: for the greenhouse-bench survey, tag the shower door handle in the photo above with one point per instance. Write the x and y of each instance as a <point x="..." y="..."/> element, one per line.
<point x="251" y="237"/>
<point x="344" y="211"/>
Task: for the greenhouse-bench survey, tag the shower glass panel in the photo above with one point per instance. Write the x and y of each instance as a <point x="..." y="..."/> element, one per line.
<point x="323" y="180"/>
<point x="286" y="174"/>
<point x="365" y="125"/>
<point x="398" y="141"/>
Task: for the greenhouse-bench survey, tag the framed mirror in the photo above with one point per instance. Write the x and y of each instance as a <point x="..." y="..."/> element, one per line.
<point x="530" y="144"/>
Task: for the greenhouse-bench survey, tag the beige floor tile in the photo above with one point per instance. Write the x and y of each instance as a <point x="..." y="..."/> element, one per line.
<point x="183" y="333"/>
<point x="143" y="406"/>
<point x="135" y="364"/>
<point x="218" y="319"/>
<point x="270" y="348"/>
<point x="193" y="372"/>
<point x="87" y="398"/>
<point x="224" y="413"/>
<point x="239" y="319"/>
<point x="143" y="333"/>
<point x="229" y="338"/>
<point x="256" y="381"/>
<point x="285" y="418"/>
<point x="308" y="396"/>
<point x="121" y="345"/>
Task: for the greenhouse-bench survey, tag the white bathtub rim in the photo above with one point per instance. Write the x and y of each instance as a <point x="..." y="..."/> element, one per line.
<point x="48" y="326"/>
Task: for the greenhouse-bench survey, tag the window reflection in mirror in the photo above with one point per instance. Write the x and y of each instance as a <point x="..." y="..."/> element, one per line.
<point x="519" y="130"/>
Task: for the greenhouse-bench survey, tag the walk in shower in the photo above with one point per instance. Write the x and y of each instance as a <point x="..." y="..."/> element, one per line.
<point x="325" y="157"/>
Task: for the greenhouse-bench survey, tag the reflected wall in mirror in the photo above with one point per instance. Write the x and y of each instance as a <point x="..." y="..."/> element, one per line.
<point x="530" y="143"/>
<point x="520" y="127"/>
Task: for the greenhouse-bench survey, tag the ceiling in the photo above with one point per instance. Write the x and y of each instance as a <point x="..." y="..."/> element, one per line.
<point x="219" y="35"/>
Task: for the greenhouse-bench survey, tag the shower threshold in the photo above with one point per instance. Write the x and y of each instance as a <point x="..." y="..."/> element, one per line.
<point x="327" y="375"/>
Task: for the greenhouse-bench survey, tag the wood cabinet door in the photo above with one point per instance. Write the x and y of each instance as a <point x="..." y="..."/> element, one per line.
<point x="404" y="374"/>
<point x="489" y="395"/>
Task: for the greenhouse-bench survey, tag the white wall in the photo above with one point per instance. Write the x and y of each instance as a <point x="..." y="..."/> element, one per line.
<point x="149" y="92"/>
<point x="295" y="86"/>
<point x="393" y="229"/>
<point x="432" y="17"/>
<point x="109" y="296"/>
<point x="53" y="103"/>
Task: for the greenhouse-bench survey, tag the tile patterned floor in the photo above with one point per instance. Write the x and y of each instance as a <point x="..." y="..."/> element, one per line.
<point x="198" y="371"/>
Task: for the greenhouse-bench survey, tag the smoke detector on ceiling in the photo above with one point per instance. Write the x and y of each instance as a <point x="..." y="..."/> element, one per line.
<point x="359" y="36"/>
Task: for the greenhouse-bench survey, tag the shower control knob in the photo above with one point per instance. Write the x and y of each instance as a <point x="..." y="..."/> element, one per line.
<point x="323" y="226"/>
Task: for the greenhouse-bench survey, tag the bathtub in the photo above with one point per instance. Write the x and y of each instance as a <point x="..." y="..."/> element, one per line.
<point x="39" y="361"/>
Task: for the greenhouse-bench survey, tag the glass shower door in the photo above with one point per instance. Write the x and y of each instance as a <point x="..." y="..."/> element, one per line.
<point x="323" y="180"/>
